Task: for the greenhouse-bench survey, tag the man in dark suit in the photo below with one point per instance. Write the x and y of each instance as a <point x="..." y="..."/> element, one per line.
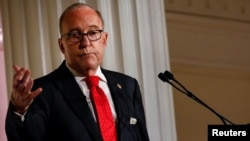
<point x="58" y="106"/>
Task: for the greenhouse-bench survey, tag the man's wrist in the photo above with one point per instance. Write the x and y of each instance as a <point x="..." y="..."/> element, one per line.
<point x="18" y="113"/>
<point x="18" y="109"/>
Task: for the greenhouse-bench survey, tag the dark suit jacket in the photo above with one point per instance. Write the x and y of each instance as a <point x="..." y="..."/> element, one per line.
<point x="61" y="112"/>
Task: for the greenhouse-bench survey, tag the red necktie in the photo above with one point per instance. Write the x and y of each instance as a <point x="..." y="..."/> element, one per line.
<point x="103" y="111"/>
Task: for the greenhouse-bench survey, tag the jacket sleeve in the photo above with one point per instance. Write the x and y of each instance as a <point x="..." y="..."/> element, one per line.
<point x="13" y="125"/>
<point x="33" y="128"/>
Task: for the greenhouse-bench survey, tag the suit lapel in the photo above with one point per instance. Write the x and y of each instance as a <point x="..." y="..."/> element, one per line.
<point x="77" y="101"/>
<point x="123" y="93"/>
<point x="120" y="99"/>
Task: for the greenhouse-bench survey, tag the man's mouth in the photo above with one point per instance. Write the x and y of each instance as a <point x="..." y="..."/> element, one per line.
<point x="85" y="54"/>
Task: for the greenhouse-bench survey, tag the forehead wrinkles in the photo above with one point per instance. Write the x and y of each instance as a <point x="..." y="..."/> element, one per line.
<point x="87" y="10"/>
<point x="81" y="19"/>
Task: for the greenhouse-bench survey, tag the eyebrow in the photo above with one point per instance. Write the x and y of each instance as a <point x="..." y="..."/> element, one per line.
<point x="94" y="26"/>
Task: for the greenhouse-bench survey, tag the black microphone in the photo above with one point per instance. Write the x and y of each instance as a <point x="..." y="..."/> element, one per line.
<point x="162" y="77"/>
<point x="169" y="75"/>
<point x="169" y="78"/>
<point x="166" y="78"/>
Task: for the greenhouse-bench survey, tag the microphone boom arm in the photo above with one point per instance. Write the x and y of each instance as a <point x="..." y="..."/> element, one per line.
<point x="191" y="95"/>
<point x="168" y="77"/>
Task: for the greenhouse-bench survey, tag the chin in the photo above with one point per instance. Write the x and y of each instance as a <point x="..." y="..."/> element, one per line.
<point x="90" y="65"/>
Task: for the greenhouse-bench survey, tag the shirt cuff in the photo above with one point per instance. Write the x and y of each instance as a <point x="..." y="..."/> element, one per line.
<point x="22" y="116"/>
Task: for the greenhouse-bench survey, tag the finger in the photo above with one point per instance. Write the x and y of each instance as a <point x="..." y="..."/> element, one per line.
<point x="16" y="67"/>
<point x="21" y="77"/>
<point x="20" y="86"/>
<point x="26" y="78"/>
<point x="18" y="76"/>
<point x="35" y="93"/>
<point x="28" y="87"/>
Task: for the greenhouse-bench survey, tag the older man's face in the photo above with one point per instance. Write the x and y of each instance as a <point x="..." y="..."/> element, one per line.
<point x="84" y="55"/>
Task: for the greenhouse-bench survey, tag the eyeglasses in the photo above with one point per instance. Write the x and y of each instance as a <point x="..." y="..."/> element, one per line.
<point x="76" y="37"/>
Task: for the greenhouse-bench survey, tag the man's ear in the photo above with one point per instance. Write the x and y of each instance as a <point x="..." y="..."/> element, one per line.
<point x="105" y="39"/>
<point x="62" y="49"/>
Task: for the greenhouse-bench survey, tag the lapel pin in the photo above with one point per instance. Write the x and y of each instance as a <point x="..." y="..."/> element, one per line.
<point x="119" y="86"/>
<point x="133" y="121"/>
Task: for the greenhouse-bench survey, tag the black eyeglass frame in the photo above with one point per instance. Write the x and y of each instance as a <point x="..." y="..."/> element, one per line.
<point x="82" y="35"/>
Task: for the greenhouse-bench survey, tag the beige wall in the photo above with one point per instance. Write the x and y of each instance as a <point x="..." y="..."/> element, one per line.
<point x="226" y="91"/>
<point x="211" y="57"/>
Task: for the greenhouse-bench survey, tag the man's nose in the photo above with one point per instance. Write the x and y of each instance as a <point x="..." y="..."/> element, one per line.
<point x="85" y="41"/>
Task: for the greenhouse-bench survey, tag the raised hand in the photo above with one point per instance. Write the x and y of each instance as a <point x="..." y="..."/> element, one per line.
<point x="21" y="95"/>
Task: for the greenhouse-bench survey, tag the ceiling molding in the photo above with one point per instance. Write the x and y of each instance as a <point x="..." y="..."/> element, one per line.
<point x="206" y="42"/>
<point x="237" y="10"/>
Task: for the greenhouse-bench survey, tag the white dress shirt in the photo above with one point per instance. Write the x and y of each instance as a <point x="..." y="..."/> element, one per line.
<point x="102" y="83"/>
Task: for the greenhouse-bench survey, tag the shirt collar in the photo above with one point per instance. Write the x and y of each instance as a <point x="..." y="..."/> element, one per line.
<point x="79" y="77"/>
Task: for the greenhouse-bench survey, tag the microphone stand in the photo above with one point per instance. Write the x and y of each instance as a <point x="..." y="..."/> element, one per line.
<point x="169" y="78"/>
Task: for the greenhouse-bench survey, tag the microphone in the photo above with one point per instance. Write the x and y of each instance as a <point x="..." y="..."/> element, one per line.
<point x="169" y="75"/>
<point x="169" y="78"/>
<point x="162" y="77"/>
<point x="166" y="78"/>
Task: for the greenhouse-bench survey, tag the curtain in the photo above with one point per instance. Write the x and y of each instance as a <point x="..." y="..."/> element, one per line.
<point x="3" y="88"/>
<point x="137" y="46"/>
